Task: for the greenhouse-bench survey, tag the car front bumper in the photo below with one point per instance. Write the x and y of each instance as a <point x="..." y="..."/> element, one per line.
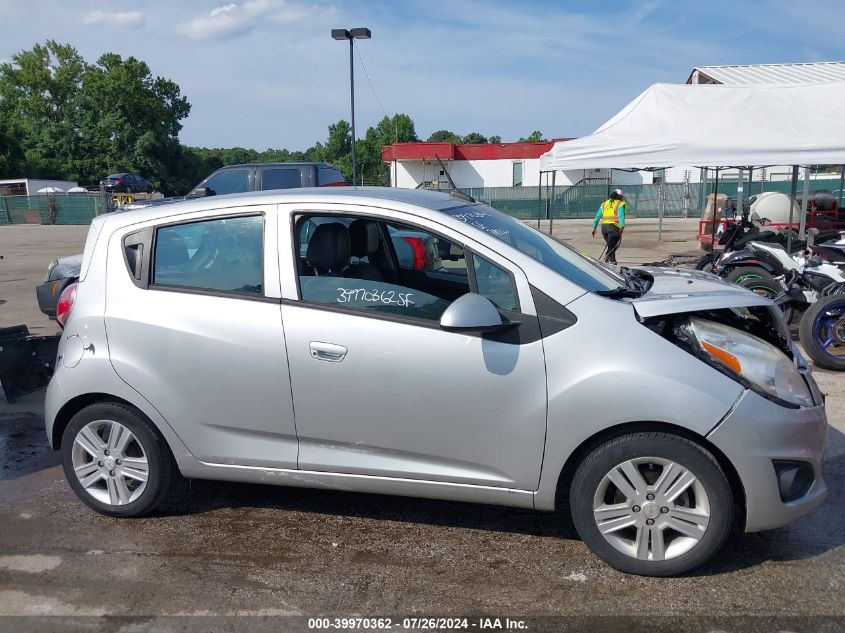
<point x="48" y="295"/>
<point x="758" y="433"/>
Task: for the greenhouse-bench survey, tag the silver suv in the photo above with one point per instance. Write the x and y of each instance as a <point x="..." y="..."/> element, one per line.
<point x="413" y="343"/>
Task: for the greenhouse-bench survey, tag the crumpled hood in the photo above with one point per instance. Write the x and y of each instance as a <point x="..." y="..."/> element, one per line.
<point x="678" y="290"/>
<point x="66" y="267"/>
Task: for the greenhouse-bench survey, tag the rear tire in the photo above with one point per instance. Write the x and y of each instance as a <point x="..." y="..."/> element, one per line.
<point x="116" y="461"/>
<point x="762" y="286"/>
<point x="740" y="274"/>
<point x="663" y="478"/>
<point x="706" y="262"/>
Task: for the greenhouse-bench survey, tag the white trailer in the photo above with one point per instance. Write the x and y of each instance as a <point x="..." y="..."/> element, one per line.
<point x="31" y="186"/>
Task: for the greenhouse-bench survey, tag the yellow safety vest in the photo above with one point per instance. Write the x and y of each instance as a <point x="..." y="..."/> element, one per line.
<point x="610" y="211"/>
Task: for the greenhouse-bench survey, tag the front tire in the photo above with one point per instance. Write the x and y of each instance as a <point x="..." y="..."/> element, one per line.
<point x="116" y="461"/>
<point x="822" y="332"/>
<point x="652" y="504"/>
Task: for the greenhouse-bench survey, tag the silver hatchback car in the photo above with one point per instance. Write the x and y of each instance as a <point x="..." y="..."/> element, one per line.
<point x="415" y="343"/>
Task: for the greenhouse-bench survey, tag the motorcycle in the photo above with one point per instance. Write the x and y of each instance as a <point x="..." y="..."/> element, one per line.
<point x="734" y="238"/>
<point x="746" y="262"/>
<point x="794" y="282"/>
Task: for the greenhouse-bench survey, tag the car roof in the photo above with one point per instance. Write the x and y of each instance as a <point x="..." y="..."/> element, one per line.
<point x="282" y="164"/>
<point x="368" y="196"/>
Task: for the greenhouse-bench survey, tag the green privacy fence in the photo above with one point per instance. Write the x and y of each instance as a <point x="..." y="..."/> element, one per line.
<point x="526" y="203"/>
<point x="75" y="208"/>
<point x="582" y="201"/>
<point x="644" y="201"/>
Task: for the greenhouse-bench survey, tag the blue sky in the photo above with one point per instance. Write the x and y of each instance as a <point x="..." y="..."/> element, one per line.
<point x="266" y="73"/>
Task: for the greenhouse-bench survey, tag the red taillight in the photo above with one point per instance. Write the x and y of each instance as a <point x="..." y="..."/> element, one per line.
<point x="334" y="184"/>
<point x="419" y="251"/>
<point x="65" y="304"/>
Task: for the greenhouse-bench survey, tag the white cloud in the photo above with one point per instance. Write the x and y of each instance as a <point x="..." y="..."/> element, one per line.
<point x="120" y="19"/>
<point x="234" y="20"/>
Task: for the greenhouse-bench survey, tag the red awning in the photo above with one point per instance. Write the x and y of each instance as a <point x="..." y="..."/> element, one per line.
<point x="452" y="151"/>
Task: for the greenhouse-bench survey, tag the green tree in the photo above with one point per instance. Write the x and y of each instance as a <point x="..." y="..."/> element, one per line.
<point x="39" y="108"/>
<point x="495" y="140"/>
<point x="78" y="121"/>
<point x="396" y="129"/>
<point x="535" y="137"/>
<point x="475" y="138"/>
<point x="444" y="136"/>
<point x="130" y="121"/>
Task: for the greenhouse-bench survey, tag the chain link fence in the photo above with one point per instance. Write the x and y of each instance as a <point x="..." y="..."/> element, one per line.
<point x="73" y="208"/>
<point x="582" y="201"/>
<point x="675" y="200"/>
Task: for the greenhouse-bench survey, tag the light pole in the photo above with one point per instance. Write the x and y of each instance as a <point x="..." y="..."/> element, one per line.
<point x="352" y="34"/>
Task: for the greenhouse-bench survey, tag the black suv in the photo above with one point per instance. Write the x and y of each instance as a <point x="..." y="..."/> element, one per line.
<point x="267" y="176"/>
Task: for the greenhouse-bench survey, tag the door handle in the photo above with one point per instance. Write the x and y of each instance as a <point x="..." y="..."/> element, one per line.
<point x="327" y="351"/>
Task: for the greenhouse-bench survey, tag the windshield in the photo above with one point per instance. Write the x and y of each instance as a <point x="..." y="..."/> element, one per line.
<point x="559" y="257"/>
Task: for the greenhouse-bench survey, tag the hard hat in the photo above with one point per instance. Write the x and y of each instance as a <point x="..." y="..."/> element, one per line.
<point x="618" y="192"/>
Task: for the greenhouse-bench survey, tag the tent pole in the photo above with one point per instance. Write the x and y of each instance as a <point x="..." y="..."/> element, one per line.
<point x="661" y="205"/>
<point x="802" y="222"/>
<point x="554" y="196"/>
<point x="539" y="198"/>
<point x="715" y="207"/>
<point x="792" y="194"/>
<point x="841" y="184"/>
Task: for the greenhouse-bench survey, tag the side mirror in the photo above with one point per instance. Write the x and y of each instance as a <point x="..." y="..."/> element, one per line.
<point x="201" y="192"/>
<point x="472" y="313"/>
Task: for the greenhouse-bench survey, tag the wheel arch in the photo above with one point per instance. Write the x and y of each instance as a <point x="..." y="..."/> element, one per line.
<point x="75" y="405"/>
<point x="575" y="458"/>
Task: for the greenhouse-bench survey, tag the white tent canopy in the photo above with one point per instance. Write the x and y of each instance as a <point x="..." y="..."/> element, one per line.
<point x="715" y="126"/>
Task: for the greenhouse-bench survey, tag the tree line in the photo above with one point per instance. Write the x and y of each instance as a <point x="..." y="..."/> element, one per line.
<point x="62" y="117"/>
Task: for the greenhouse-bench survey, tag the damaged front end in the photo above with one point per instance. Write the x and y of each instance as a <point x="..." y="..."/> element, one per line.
<point x="737" y="332"/>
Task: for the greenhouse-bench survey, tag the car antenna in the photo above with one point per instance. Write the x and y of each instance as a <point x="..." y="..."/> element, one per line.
<point x="456" y="193"/>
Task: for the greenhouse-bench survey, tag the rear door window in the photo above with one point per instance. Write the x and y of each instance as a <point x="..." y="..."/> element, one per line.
<point x="224" y="254"/>
<point x="283" y="178"/>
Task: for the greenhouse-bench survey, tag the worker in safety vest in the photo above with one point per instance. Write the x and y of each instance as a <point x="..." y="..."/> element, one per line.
<point x="611" y="214"/>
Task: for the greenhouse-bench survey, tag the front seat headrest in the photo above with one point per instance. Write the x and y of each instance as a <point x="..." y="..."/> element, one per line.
<point x="363" y="238"/>
<point x="328" y="249"/>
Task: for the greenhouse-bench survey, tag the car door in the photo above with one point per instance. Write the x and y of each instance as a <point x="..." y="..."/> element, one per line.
<point x="194" y="325"/>
<point x="380" y="389"/>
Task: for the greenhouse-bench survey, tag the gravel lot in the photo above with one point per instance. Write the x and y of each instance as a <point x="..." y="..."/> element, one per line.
<point x="218" y="549"/>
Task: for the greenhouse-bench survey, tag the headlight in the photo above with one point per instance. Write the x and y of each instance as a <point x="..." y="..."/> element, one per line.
<point x="50" y="268"/>
<point x="762" y="365"/>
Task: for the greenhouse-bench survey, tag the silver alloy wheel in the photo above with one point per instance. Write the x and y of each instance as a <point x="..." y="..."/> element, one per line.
<point x="651" y="508"/>
<point x="110" y="462"/>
